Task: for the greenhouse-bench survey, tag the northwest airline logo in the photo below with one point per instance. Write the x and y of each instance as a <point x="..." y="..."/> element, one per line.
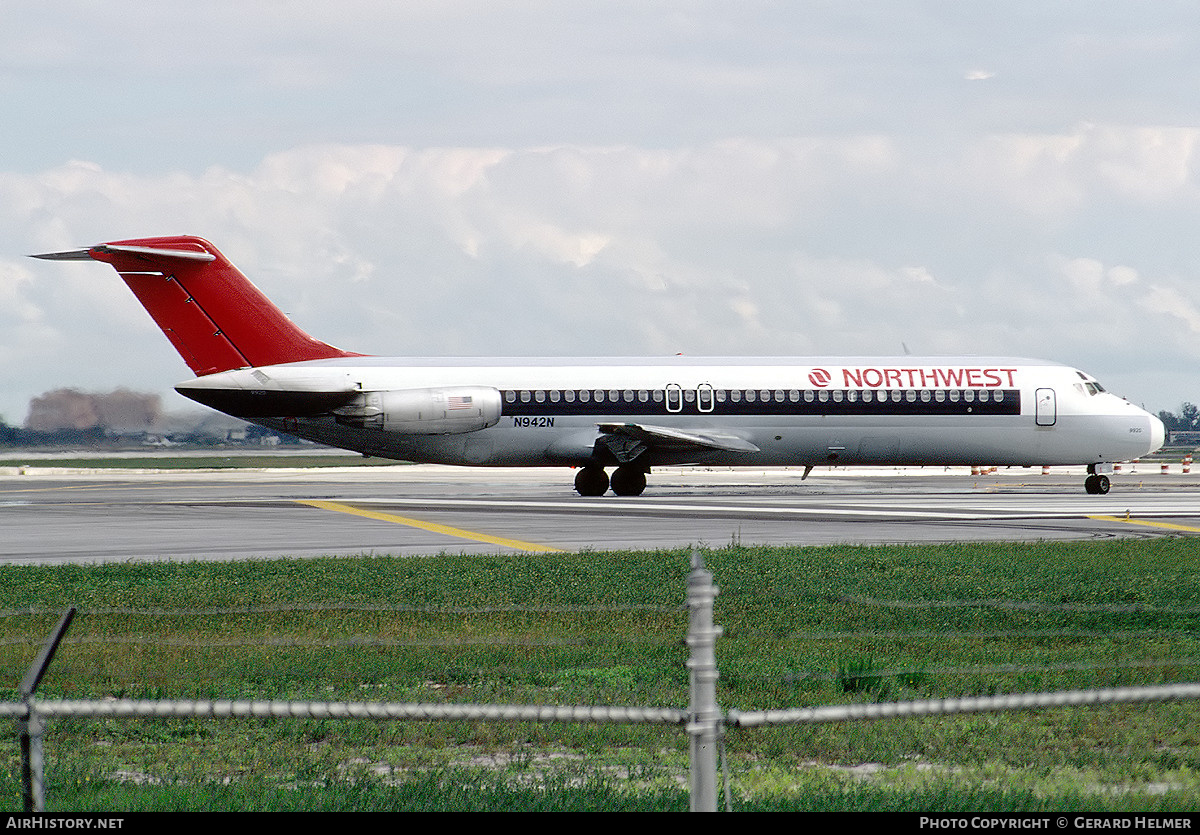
<point x="935" y="378"/>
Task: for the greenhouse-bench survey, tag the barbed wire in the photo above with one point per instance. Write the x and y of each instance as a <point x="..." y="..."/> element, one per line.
<point x="230" y="709"/>
<point x="354" y="607"/>
<point x="995" y="669"/>
<point x="1021" y="605"/>
<point x="984" y="635"/>
<point x="117" y="708"/>
<point x="334" y="606"/>
<point x="971" y="704"/>
<point x="355" y="641"/>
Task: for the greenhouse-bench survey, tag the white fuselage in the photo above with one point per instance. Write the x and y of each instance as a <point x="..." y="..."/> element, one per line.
<point x="787" y="411"/>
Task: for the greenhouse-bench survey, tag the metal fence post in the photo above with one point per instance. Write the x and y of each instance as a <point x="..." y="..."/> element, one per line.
<point x="33" y="786"/>
<point x="33" y="765"/>
<point x="704" y="716"/>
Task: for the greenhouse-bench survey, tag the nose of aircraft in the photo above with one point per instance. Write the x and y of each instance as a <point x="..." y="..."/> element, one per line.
<point x="1158" y="434"/>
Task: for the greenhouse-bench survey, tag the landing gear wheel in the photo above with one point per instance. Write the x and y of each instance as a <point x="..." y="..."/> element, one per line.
<point x="628" y="481"/>
<point x="591" y="481"/>
<point x="1097" y="485"/>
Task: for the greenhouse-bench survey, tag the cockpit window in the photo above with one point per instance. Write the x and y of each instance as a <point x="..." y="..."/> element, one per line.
<point x="1093" y="388"/>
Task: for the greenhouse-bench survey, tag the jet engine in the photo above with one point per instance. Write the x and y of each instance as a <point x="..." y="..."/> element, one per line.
<point x="440" y="411"/>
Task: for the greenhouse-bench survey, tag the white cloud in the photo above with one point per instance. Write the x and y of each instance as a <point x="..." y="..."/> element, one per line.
<point x="1172" y="302"/>
<point x="822" y="244"/>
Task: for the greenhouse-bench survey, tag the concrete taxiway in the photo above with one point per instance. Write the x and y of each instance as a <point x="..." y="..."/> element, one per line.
<point x="51" y="515"/>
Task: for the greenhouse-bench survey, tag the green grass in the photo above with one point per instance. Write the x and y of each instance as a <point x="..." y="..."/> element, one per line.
<point x="802" y="626"/>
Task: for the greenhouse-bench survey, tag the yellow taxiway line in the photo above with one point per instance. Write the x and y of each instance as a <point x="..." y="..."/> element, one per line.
<point x="429" y="526"/>
<point x="1146" y="522"/>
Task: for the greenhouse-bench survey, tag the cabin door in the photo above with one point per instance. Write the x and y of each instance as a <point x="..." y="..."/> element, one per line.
<point x="1046" y="412"/>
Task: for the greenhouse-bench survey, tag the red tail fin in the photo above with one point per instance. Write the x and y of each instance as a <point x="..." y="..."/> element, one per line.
<point x="216" y="319"/>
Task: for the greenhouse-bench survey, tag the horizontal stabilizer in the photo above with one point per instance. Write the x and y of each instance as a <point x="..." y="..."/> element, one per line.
<point x="109" y="249"/>
<point x="72" y="255"/>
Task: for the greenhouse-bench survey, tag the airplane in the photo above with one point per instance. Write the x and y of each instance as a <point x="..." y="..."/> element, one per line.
<point x="592" y="414"/>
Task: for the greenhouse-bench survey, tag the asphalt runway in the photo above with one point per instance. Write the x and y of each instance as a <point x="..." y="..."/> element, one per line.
<point x="55" y="516"/>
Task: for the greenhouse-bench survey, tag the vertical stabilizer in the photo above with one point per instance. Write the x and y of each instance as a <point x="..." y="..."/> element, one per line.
<point x="216" y="319"/>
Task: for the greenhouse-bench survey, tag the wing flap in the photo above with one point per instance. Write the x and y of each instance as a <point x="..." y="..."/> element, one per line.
<point x="628" y="441"/>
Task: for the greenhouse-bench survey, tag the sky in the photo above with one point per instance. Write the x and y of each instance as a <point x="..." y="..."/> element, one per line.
<point x="461" y="178"/>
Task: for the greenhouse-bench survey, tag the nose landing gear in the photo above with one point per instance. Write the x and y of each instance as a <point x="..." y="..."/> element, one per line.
<point x="1097" y="483"/>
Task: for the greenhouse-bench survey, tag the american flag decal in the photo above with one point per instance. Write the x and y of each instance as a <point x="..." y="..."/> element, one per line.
<point x="458" y="401"/>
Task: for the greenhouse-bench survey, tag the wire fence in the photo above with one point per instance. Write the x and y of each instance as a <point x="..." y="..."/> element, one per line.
<point x="703" y="720"/>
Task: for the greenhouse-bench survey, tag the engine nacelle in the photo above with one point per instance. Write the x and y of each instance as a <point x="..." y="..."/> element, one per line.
<point x="441" y="411"/>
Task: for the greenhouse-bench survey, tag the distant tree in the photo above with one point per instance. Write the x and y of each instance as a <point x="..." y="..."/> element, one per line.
<point x="1187" y="420"/>
<point x="1190" y="415"/>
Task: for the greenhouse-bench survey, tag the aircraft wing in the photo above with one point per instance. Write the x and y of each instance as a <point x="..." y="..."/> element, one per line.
<point x="627" y="441"/>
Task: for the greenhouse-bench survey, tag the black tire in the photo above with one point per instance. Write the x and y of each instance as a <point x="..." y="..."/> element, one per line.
<point x="628" y="481"/>
<point x="591" y="481"/>
<point x="1102" y="484"/>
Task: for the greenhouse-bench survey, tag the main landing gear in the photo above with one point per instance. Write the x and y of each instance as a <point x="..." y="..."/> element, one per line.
<point x="626" y="481"/>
